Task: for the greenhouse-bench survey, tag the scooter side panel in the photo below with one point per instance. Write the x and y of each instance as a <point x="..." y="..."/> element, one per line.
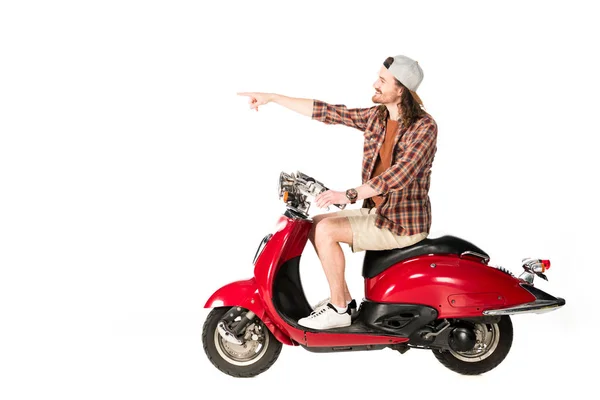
<point x="288" y="241"/>
<point x="454" y="286"/>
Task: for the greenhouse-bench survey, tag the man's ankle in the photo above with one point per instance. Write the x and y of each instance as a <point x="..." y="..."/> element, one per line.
<point x="340" y="309"/>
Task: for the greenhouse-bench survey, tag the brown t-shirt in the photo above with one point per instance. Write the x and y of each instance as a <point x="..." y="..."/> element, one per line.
<point x="384" y="159"/>
<point x="405" y="184"/>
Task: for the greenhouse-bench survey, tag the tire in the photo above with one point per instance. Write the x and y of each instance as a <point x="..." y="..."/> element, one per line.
<point x="221" y="353"/>
<point x="476" y="364"/>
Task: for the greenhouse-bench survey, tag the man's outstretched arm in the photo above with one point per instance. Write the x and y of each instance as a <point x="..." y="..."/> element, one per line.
<point x="302" y="106"/>
<point x="316" y="109"/>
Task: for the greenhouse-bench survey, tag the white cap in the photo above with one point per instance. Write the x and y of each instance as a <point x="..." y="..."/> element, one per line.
<point x="407" y="71"/>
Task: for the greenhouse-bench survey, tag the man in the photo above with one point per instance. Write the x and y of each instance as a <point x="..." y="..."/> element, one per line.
<point x="399" y="148"/>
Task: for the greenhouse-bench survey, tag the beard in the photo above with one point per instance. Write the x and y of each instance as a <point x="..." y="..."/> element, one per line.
<point x="380" y="98"/>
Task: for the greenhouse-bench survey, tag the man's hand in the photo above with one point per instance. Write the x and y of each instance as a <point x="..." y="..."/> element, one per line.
<point x="257" y="99"/>
<point x="302" y="106"/>
<point x="330" y="197"/>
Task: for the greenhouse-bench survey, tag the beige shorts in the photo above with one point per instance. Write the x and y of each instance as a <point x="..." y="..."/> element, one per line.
<point x="366" y="236"/>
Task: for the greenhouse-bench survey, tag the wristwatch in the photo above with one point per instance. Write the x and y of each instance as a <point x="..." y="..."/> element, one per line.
<point x="352" y="194"/>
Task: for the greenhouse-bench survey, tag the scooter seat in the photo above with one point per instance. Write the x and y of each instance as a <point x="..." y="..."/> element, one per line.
<point x="377" y="261"/>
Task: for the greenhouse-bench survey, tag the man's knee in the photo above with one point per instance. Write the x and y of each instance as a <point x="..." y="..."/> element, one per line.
<point x="317" y="219"/>
<point x="324" y="231"/>
<point x="311" y="234"/>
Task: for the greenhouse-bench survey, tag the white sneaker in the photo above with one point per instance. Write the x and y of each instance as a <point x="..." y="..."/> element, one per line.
<point x="323" y="303"/>
<point x="326" y="317"/>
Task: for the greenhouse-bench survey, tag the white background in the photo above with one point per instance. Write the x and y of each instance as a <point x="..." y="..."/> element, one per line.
<point x="134" y="182"/>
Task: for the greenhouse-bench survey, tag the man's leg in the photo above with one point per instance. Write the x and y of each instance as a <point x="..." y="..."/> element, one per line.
<point x="329" y="233"/>
<point x="311" y="236"/>
<point x="327" y="236"/>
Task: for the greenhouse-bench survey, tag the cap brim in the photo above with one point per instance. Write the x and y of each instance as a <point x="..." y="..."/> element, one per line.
<point x="416" y="97"/>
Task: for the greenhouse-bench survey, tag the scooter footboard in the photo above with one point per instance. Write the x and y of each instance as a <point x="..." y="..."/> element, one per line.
<point x="245" y="294"/>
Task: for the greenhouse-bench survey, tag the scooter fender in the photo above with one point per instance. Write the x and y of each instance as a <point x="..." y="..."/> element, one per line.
<point x="245" y="294"/>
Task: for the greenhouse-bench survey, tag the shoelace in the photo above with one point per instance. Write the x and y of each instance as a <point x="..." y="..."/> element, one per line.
<point x="322" y="303"/>
<point x="317" y="312"/>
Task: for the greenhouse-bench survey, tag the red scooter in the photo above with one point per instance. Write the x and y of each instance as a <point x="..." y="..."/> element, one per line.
<point x="439" y="294"/>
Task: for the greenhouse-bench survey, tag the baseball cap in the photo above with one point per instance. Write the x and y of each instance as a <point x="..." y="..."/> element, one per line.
<point x="408" y="72"/>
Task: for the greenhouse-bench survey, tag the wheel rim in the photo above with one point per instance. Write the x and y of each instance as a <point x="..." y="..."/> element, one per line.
<point x="245" y="354"/>
<point x="487" y="339"/>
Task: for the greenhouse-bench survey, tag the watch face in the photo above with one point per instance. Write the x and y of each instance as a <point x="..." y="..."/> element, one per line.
<point x="351" y="193"/>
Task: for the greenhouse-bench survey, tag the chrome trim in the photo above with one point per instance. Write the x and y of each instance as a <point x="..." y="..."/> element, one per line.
<point x="527" y="276"/>
<point x="227" y="335"/>
<point x="261" y="247"/>
<point x="473" y="253"/>
<point x="536" y="307"/>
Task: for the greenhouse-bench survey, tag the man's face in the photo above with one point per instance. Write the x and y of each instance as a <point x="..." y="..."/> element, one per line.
<point x="386" y="91"/>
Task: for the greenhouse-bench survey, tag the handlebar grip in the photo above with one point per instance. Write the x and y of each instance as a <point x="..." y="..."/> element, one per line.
<point x="340" y="206"/>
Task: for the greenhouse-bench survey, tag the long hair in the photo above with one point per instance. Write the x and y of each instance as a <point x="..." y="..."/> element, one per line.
<point x="410" y="109"/>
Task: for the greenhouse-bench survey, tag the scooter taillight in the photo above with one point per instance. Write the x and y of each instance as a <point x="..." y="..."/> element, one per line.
<point x="533" y="267"/>
<point x="545" y="265"/>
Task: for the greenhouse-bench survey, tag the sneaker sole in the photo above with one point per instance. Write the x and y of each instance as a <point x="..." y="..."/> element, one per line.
<point x="329" y="327"/>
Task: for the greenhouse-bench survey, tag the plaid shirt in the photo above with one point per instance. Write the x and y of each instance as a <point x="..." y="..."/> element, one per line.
<point x="406" y="209"/>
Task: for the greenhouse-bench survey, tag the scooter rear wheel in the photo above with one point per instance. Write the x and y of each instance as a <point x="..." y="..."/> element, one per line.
<point x="493" y="344"/>
<point x="254" y="356"/>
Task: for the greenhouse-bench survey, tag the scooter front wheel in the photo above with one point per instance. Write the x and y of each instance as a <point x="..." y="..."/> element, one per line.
<point x="254" y="353"/>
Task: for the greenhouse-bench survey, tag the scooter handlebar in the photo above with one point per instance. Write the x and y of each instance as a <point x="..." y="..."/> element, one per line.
<point x="302" y="184"/>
